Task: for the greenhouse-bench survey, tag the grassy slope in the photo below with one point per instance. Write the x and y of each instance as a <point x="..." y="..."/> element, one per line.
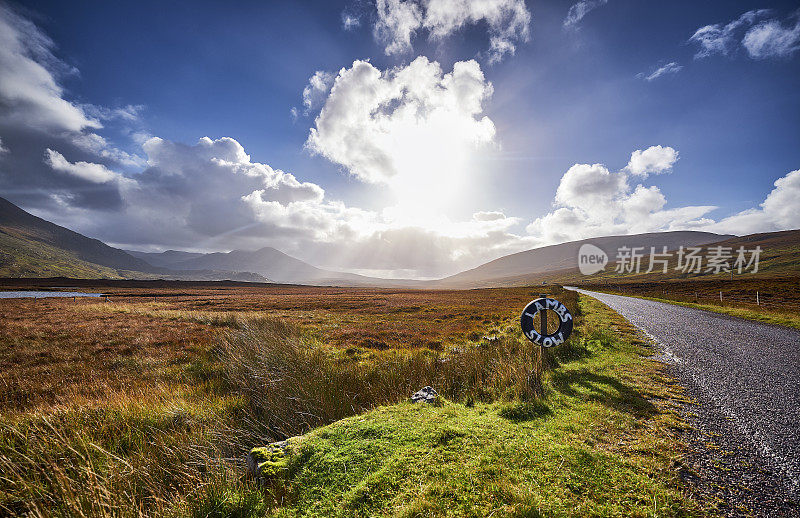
<point x="603" y="442"/>
<point x="780" y="257"/>
<point x="28" y="258"/>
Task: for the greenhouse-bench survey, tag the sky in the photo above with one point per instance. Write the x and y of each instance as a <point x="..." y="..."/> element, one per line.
<point x="400" y="138"/>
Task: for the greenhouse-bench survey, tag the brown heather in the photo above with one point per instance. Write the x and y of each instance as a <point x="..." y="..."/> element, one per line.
<point x="131" y="407"/>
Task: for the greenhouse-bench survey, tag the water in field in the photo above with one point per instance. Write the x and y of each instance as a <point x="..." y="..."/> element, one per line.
<point x="42" y="294"/>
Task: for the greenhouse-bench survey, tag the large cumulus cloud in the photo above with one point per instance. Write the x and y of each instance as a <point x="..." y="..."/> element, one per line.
<point x="212" y="196"/>
<point x="373" y="121"/>
<point x="414" y="129"/>
<point x="592" y="201"/>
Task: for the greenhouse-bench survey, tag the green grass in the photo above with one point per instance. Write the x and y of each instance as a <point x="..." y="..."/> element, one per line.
<point x="28" y="258"/>
<point x="602" y="442"/>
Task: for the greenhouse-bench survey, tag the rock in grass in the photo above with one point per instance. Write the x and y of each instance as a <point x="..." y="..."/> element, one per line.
<point x="269" y="462"/>
<point x="426" y="395"/>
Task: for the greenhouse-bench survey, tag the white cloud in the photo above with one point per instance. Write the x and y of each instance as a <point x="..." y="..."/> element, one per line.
<point x="581" y="9"/>
<point x="94" y="143"/>
<point x="669" y="68"/>
<point x="30" y="94"/>
<point x="317" y="88"/>
<point x="723" y="39"/>
<point x="211" y="195"/>
<point x="592" y="201"/>
<point x="219" y="168"/>
<point x="413" y="128"/>
<point x="488" y="216"/>
<point x="3" y="149"/>
<point x="589" y="187"/>
<point x="350" y="21"/>
<point x="508" y="22"/>
<point x="779" y="211"/>
<point x="35" y="114"/>
<point x="398" y="20"/>
<point x="653" y="160"/>
<point x="765" y="39"/>
<point x="771" y="39"/>
<point x="128" y="112"/>
<point x="94" y="173"/>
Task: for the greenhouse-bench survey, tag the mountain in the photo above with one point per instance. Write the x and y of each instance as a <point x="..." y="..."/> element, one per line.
<point x="556" y="261"/>
<point x="33" y="247"/>
<point x="267" y="261"/>
<point x="33" y="242"/>
<point x="20" y="257"/>
<point x="165" y="259"/>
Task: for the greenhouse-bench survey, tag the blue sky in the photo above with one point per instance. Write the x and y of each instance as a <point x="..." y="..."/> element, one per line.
<point x="536" y="143"/>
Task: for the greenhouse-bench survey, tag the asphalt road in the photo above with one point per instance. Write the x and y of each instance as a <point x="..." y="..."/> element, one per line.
<point x="748" y="370"/>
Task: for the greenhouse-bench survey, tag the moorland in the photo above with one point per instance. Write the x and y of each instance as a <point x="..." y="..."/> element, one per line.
<point x="147" y="403"/>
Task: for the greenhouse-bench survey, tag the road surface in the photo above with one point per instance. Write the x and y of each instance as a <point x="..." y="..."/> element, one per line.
<point x="748" y="370"/>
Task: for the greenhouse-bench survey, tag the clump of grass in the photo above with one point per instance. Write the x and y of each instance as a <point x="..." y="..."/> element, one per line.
<point x="294" y="383"/>
<point x="124" y="461"/>
<point x="525" y="411"/>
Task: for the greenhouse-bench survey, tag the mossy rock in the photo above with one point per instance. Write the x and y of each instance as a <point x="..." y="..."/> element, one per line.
<point x="269" y="462"/>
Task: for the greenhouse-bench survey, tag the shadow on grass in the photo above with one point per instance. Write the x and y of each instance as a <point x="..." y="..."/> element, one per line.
<point x="521" y="412"/>
<point x="571" y="351"/>
<point x="605" y="389"/>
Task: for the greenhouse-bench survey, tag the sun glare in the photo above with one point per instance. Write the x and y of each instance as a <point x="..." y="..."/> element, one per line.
<point x="433" y="167"/>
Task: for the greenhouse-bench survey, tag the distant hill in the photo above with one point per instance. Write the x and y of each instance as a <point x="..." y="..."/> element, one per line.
<point x="33" y="247"/>
<point x="16" y="223"/>
<point x="267" y="261"/>
<point x="780" y="257"/>
<point x="165" y="259"/>
<point x="554" y="262"/>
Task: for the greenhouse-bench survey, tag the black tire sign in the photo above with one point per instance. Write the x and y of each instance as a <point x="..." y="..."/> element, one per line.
<point x="532" y="316"/>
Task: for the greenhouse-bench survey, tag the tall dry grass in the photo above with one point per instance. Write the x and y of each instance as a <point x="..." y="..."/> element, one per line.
<point x="292" y="384"/>
<point x="264" y="380"/>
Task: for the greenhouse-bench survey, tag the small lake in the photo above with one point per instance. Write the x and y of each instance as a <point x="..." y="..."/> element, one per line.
<point x="43" y="294"/>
